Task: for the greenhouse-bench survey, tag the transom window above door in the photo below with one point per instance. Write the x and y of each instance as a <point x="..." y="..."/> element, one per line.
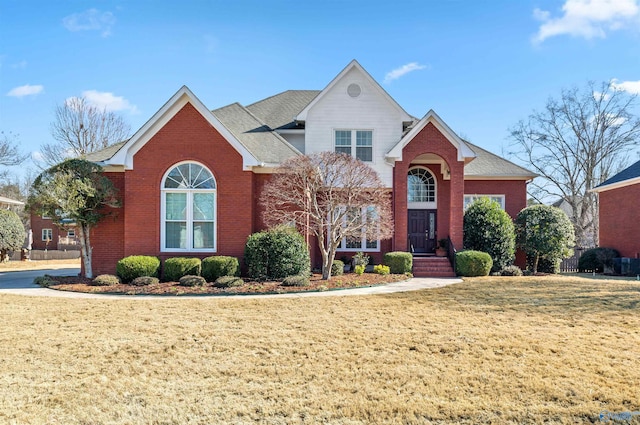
<point x="357" y="143"/>
<point x="188" y="209"/>
<point x="421" y="188"/>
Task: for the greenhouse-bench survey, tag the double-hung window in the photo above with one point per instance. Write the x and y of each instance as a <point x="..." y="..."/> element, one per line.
<point x="368" y="217"/>
<point x="470" y="199"/>
<point x="188" y="209"/>
<point x="357" y="143"/>
<point x="47" y="234"/>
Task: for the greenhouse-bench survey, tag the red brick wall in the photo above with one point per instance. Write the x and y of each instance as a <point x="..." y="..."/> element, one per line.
<point x="107" y="237"/>
<point x="620" y="220"/>
<point x="37" y="224"/>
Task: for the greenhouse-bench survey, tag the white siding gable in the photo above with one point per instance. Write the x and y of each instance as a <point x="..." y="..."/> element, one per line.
<point x="371" y="110"/>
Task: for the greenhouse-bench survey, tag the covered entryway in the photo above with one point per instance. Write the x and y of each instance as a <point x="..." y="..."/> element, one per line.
<point x="422" y="231"/>
<point x="422" y="210"/>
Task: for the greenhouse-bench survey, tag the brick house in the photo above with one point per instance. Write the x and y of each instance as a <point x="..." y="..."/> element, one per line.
<point x="190" y="178"/>
<point x="619" y="212"/>
<point x="50" y="236"/>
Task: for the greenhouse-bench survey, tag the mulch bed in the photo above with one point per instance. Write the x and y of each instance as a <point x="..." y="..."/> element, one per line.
<point x="350" y="280"/>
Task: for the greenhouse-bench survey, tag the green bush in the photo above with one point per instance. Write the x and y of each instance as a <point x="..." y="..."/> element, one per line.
<point x="488" y="228"/>
<point x="145" y="280"/>
<point x="360" y="259"/>
<point x="381" y="269"/>
<point x="595" y="259"/>
<point x="511" y="270"/>
<point x="399" y="262"/>
<point x="473" y="263"/>
<point x="177" y="267"/>
<point x="45" y="281"/>
<point x="11" y="233"/>
<point x="228" y="282"/>
<point x="191" y="280"/>
<point x="359" y="269"/>
<point x="106" y="280"/>
<point x="545" y="265"/>
<point x="137" y="265"/>
<point x="299" y="280"/>
<point x="218" y="266"/>
<point x="276" y="254"/>
<point x="337" y="268"/>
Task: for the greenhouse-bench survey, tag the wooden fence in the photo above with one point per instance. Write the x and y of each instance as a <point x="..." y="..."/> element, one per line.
<point x="570" y="265"/>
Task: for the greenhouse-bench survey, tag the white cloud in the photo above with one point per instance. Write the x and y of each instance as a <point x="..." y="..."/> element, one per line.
<point x="632" y="87"/>
<point x="90" y="20"/>
<point x="37" y="156"/>
<point x="26" y="90"/>
<point x="403" y="70"/>
<point x="108" y="101"/>
<point x="588" y="18"/>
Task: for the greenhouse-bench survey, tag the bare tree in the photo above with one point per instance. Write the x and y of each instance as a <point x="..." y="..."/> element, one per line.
<point x="575" y="143"/>
<point x="9" y="153"/>
<point x="81" y="128"/>
<point x="332" y="197"/>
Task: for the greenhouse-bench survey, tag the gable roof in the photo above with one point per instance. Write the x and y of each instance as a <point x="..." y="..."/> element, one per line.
<point x="105" y="153"/>
<point x="626" y="177"/>
<point x="302" y="116"/>
<point x="279" y="111"/>
<point x="489" y="165"/>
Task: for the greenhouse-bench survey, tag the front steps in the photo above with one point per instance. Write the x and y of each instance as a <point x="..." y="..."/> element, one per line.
<point x="432" y="267"/>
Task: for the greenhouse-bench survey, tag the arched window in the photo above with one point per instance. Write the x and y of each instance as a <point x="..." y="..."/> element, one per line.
<point x="188" y="209"/>
<point x="421" y="188"/>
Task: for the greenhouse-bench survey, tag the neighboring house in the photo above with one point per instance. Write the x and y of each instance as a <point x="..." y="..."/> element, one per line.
<point x="190" y="178"/>
<point x="47" y="235"/>
<point x="588" y="239"/>
<point x="10" y="204"/>
<point x="620" y="212"/>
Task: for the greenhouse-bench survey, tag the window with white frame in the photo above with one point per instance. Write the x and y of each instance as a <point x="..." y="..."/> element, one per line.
<point x="47" y="234"/>
<point x="470" y="199"/>
<point x="368" y="216"/>
<point x="357" y="143"/>
<point x="188" y="209"/>
<point x="71" y="233"/>
<point x="421" y="185"/>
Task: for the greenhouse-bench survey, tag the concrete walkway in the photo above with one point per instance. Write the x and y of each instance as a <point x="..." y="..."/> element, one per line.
<point x="21" y="283"/>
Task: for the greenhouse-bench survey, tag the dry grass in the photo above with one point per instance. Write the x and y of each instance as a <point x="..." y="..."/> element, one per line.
<point x="490" y="350"/>
<point x="15" y="266"/>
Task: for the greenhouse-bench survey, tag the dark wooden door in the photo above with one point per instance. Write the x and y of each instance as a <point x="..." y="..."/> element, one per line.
<point x="422" y="231"/>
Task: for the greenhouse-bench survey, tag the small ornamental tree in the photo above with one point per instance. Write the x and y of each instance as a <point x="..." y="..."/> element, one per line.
<point x="11" y="233"/>
<point x="76" y="190"/>
<point x="488" y="228"/>
<point x="331" y="196"/>
<point x="544" y="232"/>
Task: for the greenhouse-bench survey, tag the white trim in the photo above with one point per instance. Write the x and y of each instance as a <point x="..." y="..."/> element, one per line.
<point x="616" y="185"/>
<point x="363" y="241"/>
<point x="423" y="205"/>
<point x="302" y="116"/>
<point x="354" y="143"/>
<point x="189" y="213"/>
<point x="125" y="154"/>
<point x="50" y="233"/>
<point x="465" y="153"/>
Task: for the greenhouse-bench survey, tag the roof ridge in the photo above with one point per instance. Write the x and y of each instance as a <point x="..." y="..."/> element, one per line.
<point x="278" y="94"/>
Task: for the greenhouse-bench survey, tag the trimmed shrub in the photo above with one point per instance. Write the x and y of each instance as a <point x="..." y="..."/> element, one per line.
<point x="488" y="228"/>
<point x="106" y="280"/>
<point x="359" y="269"/>
<point x="299" y="280"/>
<point x="137" y="265"/>
<point x="473" y="263"/>
<point x="145" y="280"/>
<point x="276" y="254"/>
<point x="11" y="233"/>
<point x="512" y="270"/>
<point x="337" y="268"/>
<point x="177" y="267"/>
<point x="44" y="281"/>
<point x="381" y="269"/>
<point x="228" y="282"/>
<point x="191" y="280"/>
<point x="596" y="259"/>
<point x="218" y="266"/>
<point x="399" y="262"/>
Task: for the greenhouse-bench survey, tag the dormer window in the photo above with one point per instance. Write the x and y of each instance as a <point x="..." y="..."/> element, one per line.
<point x="362" y="149"/>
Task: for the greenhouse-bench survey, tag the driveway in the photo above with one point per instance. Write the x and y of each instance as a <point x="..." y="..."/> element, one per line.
<point x="21" y="283"/>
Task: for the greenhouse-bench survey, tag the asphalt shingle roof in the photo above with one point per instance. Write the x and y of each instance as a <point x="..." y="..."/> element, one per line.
<point x="487" y="164"/>
<point x="106" y="153"/>
<point x="279" y="111"/>
<point x="631" y="172"/>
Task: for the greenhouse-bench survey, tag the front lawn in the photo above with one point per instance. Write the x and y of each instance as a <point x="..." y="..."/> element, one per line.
<point x="490" y="350"/>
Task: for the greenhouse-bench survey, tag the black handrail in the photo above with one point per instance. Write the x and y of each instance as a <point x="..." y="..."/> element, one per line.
<point x="451" y="253"/>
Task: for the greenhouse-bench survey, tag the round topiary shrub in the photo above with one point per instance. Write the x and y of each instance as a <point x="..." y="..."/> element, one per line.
<point x="381" y="269"/>
<point x="177" y="267"/>
<point x="337" y="268"/>
<point x="106" y="280"/>
<point x="473" y="263"/>
<point x="145" y="280"/>
<point x="228" y="282"/>
<point x="488" y="228"/>
<point x="399" y="262"/>
<point x="276" y="254"/>
<point x="512" y="270"/>
<point x="595" y="259"/>
<point x="135" y="266"/>
<point x="218" y="266"/>
<point x="298" y="280"/>
<point x="190" y="280"/>
<point x="12" y="233"/>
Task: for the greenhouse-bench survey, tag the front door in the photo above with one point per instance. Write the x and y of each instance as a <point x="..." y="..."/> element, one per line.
<point x="422" y="231"/>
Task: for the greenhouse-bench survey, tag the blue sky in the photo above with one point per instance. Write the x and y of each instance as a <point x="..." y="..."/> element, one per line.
<point x="482" y="66"/>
